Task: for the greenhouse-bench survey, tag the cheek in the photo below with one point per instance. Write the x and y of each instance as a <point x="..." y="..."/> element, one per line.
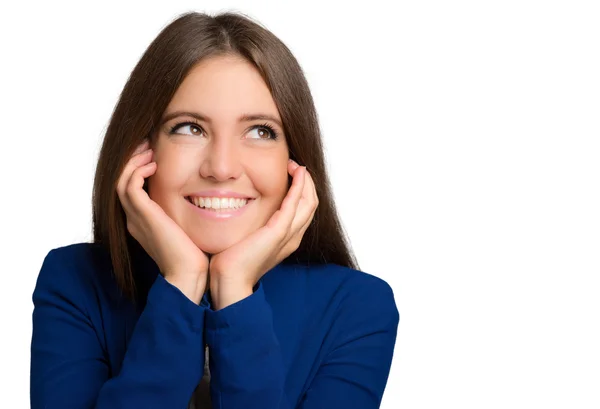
<point x="273" y="184"/>
<point x="170" y="172"/>
<point x="173" y="165"/>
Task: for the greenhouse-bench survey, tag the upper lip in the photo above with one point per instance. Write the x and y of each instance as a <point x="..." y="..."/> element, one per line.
<point x="220" y="193"/>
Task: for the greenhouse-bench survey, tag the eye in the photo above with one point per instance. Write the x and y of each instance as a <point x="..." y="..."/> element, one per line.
<point x="191" y="125"/>
<point x="265" y="132"/>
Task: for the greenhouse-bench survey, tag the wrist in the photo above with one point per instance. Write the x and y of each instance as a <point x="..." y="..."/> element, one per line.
<point x="193" y="287"/>
<point x="226" y="291"/>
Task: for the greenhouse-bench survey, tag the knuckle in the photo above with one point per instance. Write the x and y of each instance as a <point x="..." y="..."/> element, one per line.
<point x="121" y="193"/>
<point x="130" y="189"/>
<point x="297" y="242"/>
<point x="134" y="173"/>
<point x="119" y="187"/>
<point x="284" y="232"/>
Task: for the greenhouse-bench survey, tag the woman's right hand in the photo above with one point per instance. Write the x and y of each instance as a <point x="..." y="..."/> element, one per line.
<point x="180" y="261"/>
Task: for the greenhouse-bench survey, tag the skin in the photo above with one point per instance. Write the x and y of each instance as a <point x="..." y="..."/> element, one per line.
<point x="228" y="255"/>
<point x="224" y="154"/>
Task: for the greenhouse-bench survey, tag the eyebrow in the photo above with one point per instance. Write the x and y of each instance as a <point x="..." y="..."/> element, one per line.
<point x="204" y="118"/>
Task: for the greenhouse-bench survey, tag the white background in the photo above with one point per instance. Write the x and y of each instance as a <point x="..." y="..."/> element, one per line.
<point x="463" y="146"/>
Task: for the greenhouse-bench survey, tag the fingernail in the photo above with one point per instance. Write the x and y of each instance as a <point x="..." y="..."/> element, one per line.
<point x="141" y="147"/>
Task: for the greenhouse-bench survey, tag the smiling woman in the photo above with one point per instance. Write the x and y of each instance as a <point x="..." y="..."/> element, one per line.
<point x="219" y="275"/>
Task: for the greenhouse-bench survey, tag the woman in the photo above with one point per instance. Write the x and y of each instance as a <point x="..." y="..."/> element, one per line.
<point x="212" y="246"/>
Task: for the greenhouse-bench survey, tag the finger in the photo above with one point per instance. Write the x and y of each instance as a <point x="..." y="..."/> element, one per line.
<point x="142" y="147"/>
<point x="127" y="190"/>
<point x="292" y="199"/>
<point x="303" y="217"/>
<point x="135" y="192"/>
<point x="133" y="163"/>
<point x="307" y="206"/>
<point x="292" y="165"/>
<point x="294" y="242"/>
<point x="283" y="217"/>
<point x="304" y="222"/>
<point x="312" y="189"/>
<point x="309" y="188"/>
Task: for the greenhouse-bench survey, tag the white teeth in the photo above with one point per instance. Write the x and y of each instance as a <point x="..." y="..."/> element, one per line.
<point x="218" y="203"/>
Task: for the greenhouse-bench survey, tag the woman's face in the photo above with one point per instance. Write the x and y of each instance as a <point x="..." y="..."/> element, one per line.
<point x="221" y="153"/>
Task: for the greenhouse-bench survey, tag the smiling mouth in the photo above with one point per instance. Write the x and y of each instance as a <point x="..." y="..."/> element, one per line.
<point x="219" y="205"/>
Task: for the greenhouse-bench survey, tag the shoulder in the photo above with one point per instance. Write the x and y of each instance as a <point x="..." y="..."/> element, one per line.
<point x="79" y="260"/>
<point x="348" y="294"/>
<point x="348" y="283"/>
<point x="75" y="271"/>
<point x="349" y="278"/>
<point x="77" y="255"/>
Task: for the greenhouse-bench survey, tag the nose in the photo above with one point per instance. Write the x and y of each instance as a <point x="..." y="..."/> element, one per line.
<point x="222" y="161"/>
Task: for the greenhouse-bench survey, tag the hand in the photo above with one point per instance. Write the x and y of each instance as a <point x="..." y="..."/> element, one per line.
<point x="180" y="261"/>
<point x="235" y="271"/>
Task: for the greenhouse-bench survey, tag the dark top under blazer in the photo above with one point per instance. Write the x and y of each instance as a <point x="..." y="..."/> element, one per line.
<point x="318" y="336"/>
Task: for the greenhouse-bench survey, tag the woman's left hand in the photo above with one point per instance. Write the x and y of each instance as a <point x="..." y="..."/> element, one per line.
<point x="234" y="272"/>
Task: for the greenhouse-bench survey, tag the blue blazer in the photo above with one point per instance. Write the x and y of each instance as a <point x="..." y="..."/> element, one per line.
<point x="318" y="336"/>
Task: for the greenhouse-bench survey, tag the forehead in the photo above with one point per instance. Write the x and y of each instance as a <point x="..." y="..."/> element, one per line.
<point x="223" y="87"/>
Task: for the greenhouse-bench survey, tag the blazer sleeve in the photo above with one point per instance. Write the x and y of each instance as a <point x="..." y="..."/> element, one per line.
<point x="69" y="368"/>
<point x="247" y="367"/>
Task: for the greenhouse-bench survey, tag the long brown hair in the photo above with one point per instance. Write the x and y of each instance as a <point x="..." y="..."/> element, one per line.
<point x="183" y="43"/>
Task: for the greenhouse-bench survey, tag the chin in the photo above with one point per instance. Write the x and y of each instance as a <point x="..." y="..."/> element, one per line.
<point x="217" y="242"/>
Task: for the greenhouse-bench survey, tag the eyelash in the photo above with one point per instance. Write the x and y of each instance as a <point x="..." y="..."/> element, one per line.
<point x="274" y="134"/>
